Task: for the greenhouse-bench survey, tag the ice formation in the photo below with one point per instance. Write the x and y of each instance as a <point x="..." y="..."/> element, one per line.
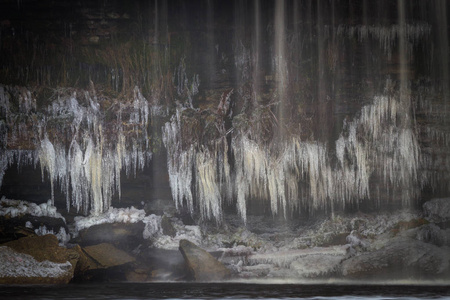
<point x="15" y="208"/>
<point x="15" y="264"/>
<point x="377" y="150"/>
<point x="79" y="147"/>
<point x="204" y="166"/>
<point x="112" y="215"/>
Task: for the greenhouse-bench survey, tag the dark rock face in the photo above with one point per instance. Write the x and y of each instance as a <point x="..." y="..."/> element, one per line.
<point x="125" y="236"/>
<point x="402" y="256"/>
<point x="202" y="265"/>
<point x="43" y="248"/>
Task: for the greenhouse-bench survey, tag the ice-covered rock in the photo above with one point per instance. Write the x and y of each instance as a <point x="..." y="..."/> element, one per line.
<point x="25" y="269"/>
<point x="113" y="215"/>
<point x="15" y="208"/>
<point x="400" y="258"/>
<point x="284" y="259"/>
<point x="437" y="210"/>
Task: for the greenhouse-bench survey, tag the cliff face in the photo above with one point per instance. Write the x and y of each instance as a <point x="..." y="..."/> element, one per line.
<point x="299" y="107"/>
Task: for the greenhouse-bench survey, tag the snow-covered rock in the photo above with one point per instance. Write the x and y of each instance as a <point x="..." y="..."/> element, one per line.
<point x="36" y="259"/>
<point x="23" y="268"/>
<point x="15" y="208"/>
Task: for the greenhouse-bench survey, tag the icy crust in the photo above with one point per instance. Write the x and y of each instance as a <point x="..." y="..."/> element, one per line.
<point x="113" y="215"/>
<point x="15" y="208"/>
<point x="15" y="264"/>
<point x="306" y="251"/>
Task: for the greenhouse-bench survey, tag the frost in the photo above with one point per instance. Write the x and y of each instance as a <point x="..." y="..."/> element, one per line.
<point x="15" y="264"/>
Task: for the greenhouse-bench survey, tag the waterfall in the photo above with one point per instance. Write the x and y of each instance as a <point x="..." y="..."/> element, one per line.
<point x="293" y="106"/>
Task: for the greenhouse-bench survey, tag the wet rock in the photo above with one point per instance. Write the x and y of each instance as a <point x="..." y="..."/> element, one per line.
<point x="202" y="265"/>
<point x="42" y="253"/>
<point x="437" y="210"/>
<point x="125" y="236"/>
<point x="107" y="256"/>
<point x="400" y="258"/>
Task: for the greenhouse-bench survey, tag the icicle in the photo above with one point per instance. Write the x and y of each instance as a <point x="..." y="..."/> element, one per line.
<point x="47" y="158"/>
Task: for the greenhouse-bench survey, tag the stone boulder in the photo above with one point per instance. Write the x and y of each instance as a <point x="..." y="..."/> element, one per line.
<point x="37" y="260"/>
<point x="107" y="256"/>
<point x="437" y="210"/>
<point x="125" y="236"/>
<point x="201" y="265"/>
<point x="401" y="258"/>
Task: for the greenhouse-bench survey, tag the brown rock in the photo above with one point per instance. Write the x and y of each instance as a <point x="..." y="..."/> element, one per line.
<point x="202" y="265"/>
<point x="106" y="255"/>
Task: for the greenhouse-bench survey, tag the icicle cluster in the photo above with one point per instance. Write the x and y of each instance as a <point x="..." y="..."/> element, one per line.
<point x="376" y="151"/>
<point x="78" y="146"/>
<point x="198" y="168"/>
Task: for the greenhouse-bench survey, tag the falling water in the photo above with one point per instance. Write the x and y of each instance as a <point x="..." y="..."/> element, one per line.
<point x="280" y="61"/>
<point x="325" y="109"/>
